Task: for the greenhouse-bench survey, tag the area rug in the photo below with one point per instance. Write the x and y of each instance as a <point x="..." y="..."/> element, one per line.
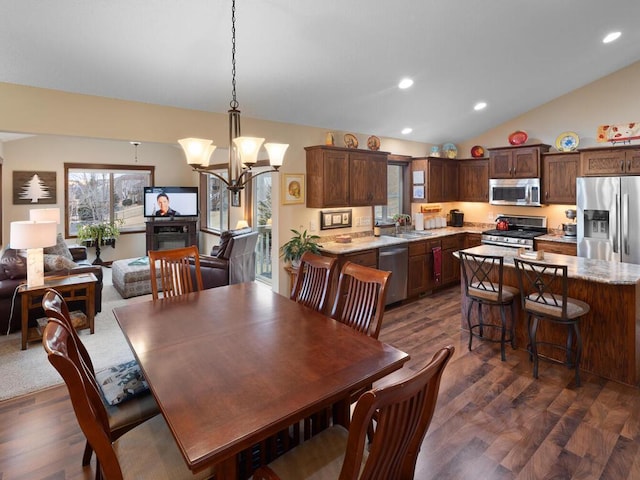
<point x="25" y="371"/>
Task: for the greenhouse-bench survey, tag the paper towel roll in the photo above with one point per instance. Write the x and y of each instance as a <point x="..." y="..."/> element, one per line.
<point x="418" y="221"/>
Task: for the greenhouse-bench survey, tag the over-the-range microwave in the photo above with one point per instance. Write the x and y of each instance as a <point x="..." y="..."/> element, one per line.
<point x="515" y="191"/>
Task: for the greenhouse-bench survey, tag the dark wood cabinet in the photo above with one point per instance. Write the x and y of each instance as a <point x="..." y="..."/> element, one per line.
<point x="610" y="161"/>
<point x="516" y="162"/>
<point x="472" y="240"/>
<point x="450" y="264"/>
<point x="167" y="234"/>
<point x="559" y="172"/>
<point x="441" y="179"/>
<point x="556" y="247"/>
<point x="343" y="177"/>
<point x="473" y="180"/>
<point x="421" y="276"/>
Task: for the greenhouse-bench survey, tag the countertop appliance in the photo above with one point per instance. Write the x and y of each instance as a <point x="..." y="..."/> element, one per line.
<point x="457" y="218"/>
<point x="395" y="259"/>
<point x="515" y="191"/>
<point x="609" y="218"/>
<point x="522" y="230"/>
<point x="570" y="229"/>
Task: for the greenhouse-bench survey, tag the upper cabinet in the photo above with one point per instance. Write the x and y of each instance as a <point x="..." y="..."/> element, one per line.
<point x="473" y="180"/>
<point x="559" y="172"/>
<point x="610" y="161"/>
<point x="516" y="162"/>
<point x="344" y="177"/>
<point x="440" y="177"/>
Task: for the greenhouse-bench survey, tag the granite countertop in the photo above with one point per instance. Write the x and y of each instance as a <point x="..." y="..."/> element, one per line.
<point x="600" y="271"/>
<point x="558" y="238"/>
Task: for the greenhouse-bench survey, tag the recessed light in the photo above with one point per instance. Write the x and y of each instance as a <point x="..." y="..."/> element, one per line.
<point x="611" y="37"/>
<point x="407" y="130"/>
<point x="480" y="106"/>
<point x="405" y="83"/>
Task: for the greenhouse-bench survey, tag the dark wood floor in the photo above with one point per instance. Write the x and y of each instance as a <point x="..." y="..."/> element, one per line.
<point x="493" y="420"/>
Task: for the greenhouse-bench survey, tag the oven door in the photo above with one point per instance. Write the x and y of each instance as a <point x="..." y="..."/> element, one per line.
<point x="521" y="191"/>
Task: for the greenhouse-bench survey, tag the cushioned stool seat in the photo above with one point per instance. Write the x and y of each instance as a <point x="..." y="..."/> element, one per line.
<point x="131" y="279"/>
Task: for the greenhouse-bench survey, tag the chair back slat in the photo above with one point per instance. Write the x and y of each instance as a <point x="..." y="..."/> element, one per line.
<point x="403" y="413"/>
<point x="179" y="271"/>
<point x="360" y="299"/>
<point x="313" y="281"/>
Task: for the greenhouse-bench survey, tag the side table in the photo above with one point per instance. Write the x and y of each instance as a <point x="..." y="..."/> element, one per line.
<point x="71" y="287"/>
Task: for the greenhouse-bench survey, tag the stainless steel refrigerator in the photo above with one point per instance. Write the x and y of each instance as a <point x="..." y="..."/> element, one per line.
<point x="609" y="218"/>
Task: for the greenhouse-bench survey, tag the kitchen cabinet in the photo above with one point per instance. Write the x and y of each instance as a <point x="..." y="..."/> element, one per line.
<point x="473" y="180"/>
<point x="344" y="177"/>
<point x="450" y="264"/>
<point x="516" y="162"/>
<point x="441" y="179"/>
<point x="421" y="277"/>
<point x="559" y="172"/>
<point x="550" y="246"/>
<point x="610" y="161"/>
<point x="472" y="240"/>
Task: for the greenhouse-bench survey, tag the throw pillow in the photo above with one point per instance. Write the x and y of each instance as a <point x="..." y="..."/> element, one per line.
<point x="14" y="265"/>
<point x="60" y="248"/>
<point x="53" y="263"/>
<point x="121" y="382"/>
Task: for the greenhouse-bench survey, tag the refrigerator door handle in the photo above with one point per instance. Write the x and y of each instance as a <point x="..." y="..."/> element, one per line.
<point x="614" y="229"/>
<point x="624" y="220"/>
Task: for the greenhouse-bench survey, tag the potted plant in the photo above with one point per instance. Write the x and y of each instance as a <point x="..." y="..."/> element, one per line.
<point x="292" y="250"/>
<point x="99" y="234"/>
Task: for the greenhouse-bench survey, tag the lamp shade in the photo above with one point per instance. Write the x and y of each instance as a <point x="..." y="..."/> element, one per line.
<point x="241" y="224"/>
<point x="248" y="148"/>
<point x="45" y="215"/>
<point x="28" y="234"/>
<point x="276" y="153"/>
<point x="197" y="150"/>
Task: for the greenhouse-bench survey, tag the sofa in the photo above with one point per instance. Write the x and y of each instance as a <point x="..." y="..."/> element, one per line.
<point x="59" y="260"/>
<point x="233" y="260"/>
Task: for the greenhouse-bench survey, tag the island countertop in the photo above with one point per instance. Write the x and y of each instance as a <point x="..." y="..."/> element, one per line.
<point x="600" y="271"/>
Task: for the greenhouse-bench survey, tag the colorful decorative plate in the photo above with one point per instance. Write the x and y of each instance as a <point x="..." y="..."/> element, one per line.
<point x="449" y="150"/>
<point x="518" y="137"/>
<point x="567" y="141"/>
<point x="373" y="143"/>
<point x="477" y="151"/>
<point x="350" y="140"/>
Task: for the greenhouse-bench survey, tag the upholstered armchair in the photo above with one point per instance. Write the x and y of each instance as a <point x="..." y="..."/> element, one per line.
<point x="232" y="261"/>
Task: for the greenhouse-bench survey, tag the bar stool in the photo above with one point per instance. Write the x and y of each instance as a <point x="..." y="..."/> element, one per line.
<point x="483" y="286"/>
<point x="539" y="286"/>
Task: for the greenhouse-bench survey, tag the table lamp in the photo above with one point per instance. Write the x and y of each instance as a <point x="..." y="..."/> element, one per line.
<point x="242" y="224"/>
<point x="45" y="215"/>
<point x="33" y="236"/>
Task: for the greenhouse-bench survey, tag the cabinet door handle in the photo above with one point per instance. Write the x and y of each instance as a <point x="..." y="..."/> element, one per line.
<point x="622" y="165"/>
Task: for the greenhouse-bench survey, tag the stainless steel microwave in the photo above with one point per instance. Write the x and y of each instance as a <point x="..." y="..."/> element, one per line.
<point x="515" y="191"/>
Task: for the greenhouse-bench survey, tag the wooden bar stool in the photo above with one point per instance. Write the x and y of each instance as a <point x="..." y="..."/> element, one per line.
<point x="483" y="286"/>
<point x="543" y="288"/>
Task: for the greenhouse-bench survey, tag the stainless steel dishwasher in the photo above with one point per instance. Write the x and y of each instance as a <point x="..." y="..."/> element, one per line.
<point x="395" y="259"/>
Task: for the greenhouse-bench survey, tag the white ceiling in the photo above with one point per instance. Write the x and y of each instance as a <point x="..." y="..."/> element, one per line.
<point x="333" y="64"/>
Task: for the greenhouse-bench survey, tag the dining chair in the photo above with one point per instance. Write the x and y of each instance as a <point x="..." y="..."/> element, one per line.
<point x="483" y="285"/>
<point x="313" y="281"/>
<point x="360" y="298"/>
<point x="544" y="296"/>
<point x="403" y="414"/>
<point x="145" y="451"/>
<point x="121" y="417"/>
<point x="179" y="270"/>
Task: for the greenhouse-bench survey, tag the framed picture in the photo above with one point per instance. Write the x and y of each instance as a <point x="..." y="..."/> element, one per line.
<point x="418" y="176"/>
<point x="292" y="188"/>
<point x="335" y="219"/>
<point x="34" y="188"/>
<point x="418" y="191"/>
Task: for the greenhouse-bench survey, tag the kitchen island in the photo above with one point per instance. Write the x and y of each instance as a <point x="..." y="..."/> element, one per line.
<point x="610" y="331"/>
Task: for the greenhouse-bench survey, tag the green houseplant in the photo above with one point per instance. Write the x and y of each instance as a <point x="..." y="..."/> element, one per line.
<point x="99" y="234"/>
<point x="292" y="250"/>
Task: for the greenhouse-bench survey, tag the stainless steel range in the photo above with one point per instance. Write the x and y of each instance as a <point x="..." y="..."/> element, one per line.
<point x="516" y="231"/>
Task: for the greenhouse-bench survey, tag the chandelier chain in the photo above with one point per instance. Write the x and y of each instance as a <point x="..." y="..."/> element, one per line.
<point x="234" y="102"/>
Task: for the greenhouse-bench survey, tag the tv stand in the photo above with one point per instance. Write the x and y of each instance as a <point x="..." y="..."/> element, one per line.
<point x="172" y="233"/>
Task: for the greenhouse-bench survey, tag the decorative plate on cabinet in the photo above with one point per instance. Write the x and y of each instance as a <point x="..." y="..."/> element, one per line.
<point x="477" y="151"/>
<point x="567" y="141"/>
<point x="350" y="140"/>
<point x="373" y="143"/>
<point x="518" y="137"/>
<point x="449" y="150"/>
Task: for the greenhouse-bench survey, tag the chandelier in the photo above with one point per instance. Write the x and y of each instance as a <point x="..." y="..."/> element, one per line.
<point x="243" y="151"/>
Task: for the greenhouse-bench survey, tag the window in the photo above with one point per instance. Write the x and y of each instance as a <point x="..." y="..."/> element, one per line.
<point x="260" y="192"/>
<point x="105" y="193"/>
<point x="395" y="194"/>
<point x="214" y="215"/>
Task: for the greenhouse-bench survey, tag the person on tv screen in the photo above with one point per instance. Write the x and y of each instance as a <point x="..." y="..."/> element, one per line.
<point x="164" y="210"/>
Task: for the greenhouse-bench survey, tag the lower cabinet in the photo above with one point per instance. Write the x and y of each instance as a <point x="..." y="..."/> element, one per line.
<point x="556" y="247"/>
<point x="421" y="274"/>
<point x="450" y="264"/>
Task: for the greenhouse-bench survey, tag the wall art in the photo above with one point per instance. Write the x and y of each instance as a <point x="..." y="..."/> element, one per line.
<point x="37" y="188"/>
<point x="293" y="191"/>
<point x="335" y="219"/>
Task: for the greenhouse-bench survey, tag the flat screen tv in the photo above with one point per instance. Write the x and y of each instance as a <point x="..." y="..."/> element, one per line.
<point x="163" y="202"/>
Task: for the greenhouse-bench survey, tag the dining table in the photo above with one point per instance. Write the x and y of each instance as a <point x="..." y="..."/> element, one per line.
<point x="233" y="365"/>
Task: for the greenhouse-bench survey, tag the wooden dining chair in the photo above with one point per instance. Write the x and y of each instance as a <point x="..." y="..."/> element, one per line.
<point x="360" y="298"/>
<point x="403" y="414"/>
<point x="145" y="451"/>
<point x="121" y="417"/>
<point x="179" y="271"/>
<point x="313" y="281"/>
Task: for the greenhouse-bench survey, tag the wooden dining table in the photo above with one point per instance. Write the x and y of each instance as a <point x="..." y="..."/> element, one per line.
<point x="233" y="365"/>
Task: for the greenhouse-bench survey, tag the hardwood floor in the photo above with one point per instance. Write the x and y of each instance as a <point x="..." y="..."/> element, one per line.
<point x="493" y="420"/>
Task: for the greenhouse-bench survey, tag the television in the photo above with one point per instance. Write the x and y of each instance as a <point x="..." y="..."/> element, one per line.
<point x="175" y="201"/>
